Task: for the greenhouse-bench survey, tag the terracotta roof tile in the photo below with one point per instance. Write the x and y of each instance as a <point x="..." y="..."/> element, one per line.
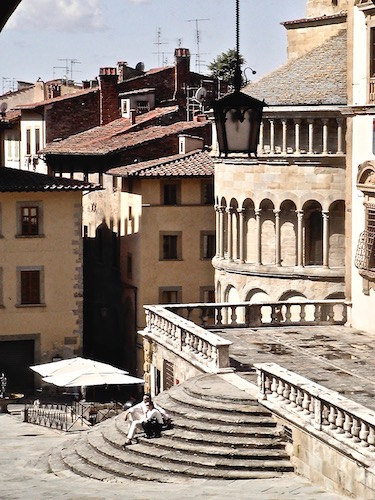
<point x="318" y="77"/>
<point x="194" y="164"/>
<point x="116" y="136"/>
<point x="14" y="180"/>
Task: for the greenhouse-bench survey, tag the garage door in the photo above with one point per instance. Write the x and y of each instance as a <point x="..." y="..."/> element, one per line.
<point x="16" y="356"/>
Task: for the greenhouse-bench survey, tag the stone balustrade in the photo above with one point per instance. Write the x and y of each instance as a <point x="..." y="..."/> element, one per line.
<point x="300" y="400"/>
<point x="305" y="134"/>
<point x="248" y="315"/>
<point x="201" y="348"/>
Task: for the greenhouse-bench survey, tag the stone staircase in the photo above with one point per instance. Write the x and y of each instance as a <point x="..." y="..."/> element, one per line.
<point x="219" y="432"/>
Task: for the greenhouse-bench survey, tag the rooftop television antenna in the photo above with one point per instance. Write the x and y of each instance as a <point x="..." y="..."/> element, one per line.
<point x="158" y="43"/>
<point x="197" y="38"/>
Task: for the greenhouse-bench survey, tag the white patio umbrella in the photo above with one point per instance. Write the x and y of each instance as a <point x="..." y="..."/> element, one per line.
<point x="91" y="378"/>
<point x="80" y="365"/>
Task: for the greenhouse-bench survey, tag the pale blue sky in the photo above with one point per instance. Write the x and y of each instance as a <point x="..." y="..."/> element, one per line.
<point x="43" y="36"/>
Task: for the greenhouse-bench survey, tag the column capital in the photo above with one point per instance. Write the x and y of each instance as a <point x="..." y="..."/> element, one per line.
<point x="325" y="214"/>
<point x="276" y="211"/>
<point x="257" y="211"/>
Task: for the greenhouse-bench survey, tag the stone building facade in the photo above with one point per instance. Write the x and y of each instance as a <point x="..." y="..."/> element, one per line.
<point x="280" y="218"/>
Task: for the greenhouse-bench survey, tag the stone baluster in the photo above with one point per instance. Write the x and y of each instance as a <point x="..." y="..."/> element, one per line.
<point x="311" y="136"/>
<point x="355" y="429"/>
<point x="274" y="387"/>
<point x="347" y="426"/>
<point x="258" y="212"/>
<point x="293" y="396"/>
<point x="363" y="434"/>
<point x="332" y="417"/>
<point x="340" y="420"/>
<point x="306" y="403"/>
<point x="317" y="412"/>
<point x="371" y="438"/>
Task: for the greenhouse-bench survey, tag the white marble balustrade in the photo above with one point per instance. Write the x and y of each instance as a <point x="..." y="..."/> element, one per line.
<point x="246" y="314"/>
<point x="301" y="400"/>
<point x="198" y="346"/>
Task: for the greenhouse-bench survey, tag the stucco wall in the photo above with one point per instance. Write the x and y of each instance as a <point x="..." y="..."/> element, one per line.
<point x="59" y="253"/>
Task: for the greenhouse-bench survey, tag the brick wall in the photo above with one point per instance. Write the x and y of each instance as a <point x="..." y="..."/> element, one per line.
<point x="71" y="116"/>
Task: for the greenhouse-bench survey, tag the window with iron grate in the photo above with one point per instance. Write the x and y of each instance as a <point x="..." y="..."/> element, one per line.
<point x="365" y="254"/>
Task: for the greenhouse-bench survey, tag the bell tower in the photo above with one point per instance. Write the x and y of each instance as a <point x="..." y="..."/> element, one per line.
<point x="324" y="19"/>
<point x="317" y="8"/>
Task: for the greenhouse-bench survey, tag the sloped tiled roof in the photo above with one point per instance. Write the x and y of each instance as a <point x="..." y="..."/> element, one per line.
<point x="105" y="140"/>
<point x="318" y="77"/>
<point x="14" y="180"/>
<point x="193" y="164"/>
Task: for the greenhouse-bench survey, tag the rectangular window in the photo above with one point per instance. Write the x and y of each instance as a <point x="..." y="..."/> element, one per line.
<point x="171" y="193"/>
<point x="29" y="221"/>
<point x="28" y="141"/>
<point x="170" y="295"/>
<point x="30" y="287"/>
<point x="208" y="245"/>
<point x="372" y="52"/>
<point x="207" y="193"/>
<point x="37" y="140"/>
<point x="170" y="246"/>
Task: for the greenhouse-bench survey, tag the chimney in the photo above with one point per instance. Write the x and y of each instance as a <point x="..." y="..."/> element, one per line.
<point x="132" y="116"/>
<point x="109" y="101"/>
<point x="121" y="65"/>
<point x="182" y="75"/>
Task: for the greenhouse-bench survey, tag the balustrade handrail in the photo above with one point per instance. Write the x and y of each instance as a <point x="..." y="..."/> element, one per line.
<point x="326" y="410"/>
<point x="251" y="314"/>
<point x="200" y="347"/>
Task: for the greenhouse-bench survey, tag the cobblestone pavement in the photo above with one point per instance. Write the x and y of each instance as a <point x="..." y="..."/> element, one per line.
<point x="24" y="475"/>
<point x="337" y="357"/>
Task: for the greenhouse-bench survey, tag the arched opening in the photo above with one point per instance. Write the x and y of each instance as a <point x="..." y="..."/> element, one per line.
<point x="313" y="224"/>
<point x="288" y="234"/>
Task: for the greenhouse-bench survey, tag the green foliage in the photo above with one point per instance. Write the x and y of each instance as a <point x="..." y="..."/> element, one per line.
<point x="224" y="66"/>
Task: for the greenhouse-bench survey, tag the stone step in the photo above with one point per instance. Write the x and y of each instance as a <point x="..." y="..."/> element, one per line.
<point x="175" y="396"/>
<point x="271" y="439"/>
<point x="143" y="457"/>
<point x="254" y="429"/>
<point x="194" y="444"/>
<point x="236" y="416"/>
<point x="206" y="441"/>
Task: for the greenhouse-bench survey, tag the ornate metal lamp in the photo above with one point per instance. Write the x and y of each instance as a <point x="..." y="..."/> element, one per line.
<point x="238" y="116"/>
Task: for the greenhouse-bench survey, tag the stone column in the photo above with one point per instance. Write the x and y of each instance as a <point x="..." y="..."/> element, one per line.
<point x="339" y="135"/>
<point x="277" y="238"/>
<point x="261" y="139"/>
<point x="300" y="238"/>
<point x="221" y="232"/>
<point x="241" y="222"/>
<point x="297" y="126"/>
<point x="325" y="136"/>
<point x="325" y="216"/>
<point x="311" y="136"/>
<point x="272" y="136"/>
<point x="258" y="212"/>
<point x="229" y="211"/>
<point x="217" y="229"/>
<point x="285" y="130"/>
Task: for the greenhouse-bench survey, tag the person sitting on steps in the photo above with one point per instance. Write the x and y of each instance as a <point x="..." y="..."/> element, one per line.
<point x="138" y="411"/>
<point x="151" y="422"/>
